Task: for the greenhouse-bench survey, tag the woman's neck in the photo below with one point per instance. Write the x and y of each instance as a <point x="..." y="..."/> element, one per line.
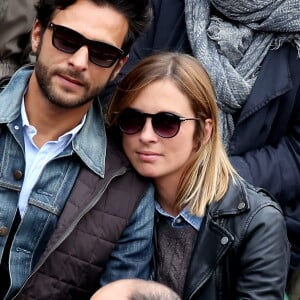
<point x="166" y="196"/>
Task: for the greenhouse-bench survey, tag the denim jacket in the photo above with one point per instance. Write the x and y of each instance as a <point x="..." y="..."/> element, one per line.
<point x="52" y="189"/>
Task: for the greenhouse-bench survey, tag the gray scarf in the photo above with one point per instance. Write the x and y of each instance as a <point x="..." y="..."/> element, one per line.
<point x="233" y="52"/>
<point x="3" y="7"/>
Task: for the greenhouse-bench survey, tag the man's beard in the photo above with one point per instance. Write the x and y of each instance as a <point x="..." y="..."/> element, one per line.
<point x="44" y="76"/>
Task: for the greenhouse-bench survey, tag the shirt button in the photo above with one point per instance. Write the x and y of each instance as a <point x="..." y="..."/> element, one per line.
<point x="224" y="240"/>
<point x="18" y="174"/>
<point x="3" y="231"/>
<point x="242" y="205"/>
<point x="179" y="220"/>
<point x="17" y="127"/>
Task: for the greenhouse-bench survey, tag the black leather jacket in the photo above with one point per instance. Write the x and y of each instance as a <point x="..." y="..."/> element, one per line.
<point x="242" y="250"/>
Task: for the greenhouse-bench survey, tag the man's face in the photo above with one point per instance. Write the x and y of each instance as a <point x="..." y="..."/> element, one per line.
<point x="72" y="80"/>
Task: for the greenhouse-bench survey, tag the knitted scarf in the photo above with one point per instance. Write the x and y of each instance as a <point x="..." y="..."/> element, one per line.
<point x="3" y="7"/>
<point x="232" y="52"/>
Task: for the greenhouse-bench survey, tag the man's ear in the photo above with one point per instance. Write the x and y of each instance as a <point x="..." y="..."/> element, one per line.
<point x="36" y="36"/>
<point x="119" y="66"/>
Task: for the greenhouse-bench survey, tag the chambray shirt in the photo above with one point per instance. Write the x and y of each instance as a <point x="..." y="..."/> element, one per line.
<point x="184" y="218"/>
<point x="37" y="158"/>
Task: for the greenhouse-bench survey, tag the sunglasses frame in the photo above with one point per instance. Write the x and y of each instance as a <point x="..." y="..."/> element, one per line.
<point x="83" y="41"/>
<point x="153" y="117"/>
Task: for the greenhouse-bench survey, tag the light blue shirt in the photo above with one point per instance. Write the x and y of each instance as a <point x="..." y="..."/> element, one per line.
<point x="37" y="158"/>
<point x="184" y="218"/>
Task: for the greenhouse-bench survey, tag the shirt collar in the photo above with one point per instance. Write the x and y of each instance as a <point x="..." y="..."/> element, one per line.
<point x="185" y="215"/>
<point x="69" y="135"/>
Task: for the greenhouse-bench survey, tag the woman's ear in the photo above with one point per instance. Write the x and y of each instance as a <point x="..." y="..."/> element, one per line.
<point x="206" y="134"/>
<point x="207" y="130"/>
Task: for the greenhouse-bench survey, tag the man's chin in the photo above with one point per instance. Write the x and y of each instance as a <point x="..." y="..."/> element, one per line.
<point x="67" y="102"/>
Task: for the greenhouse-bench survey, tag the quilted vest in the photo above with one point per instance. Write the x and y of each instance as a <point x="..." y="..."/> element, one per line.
<point x="93" y="220"/>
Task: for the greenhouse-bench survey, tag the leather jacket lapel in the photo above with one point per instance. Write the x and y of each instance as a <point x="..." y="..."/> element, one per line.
<point x="213" y="242"/>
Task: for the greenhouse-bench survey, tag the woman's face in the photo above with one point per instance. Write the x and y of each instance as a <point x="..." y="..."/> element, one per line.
<point x="154" y="156"/>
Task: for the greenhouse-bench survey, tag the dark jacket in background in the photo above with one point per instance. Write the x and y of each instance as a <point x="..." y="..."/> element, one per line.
<point x="265" y="147"/>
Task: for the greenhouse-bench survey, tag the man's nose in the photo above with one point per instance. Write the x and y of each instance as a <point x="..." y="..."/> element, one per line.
<point x="80" y="59"/>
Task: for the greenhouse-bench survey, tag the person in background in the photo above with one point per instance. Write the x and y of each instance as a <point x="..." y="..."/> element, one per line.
<point x="73" y="213"/>
<point x="250" y="50"/>
<point x="16" y="21"/>
<point x="293" y="288"/>
<point x="216" y="236"/>
<point x="135" y="289"/>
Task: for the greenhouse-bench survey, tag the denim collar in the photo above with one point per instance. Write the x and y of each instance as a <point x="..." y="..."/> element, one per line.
<point x="177" y="221"/>
<point x="90" y="143"/>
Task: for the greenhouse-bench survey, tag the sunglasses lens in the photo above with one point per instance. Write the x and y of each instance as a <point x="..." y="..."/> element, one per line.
<point x="165" y="124"/>
<point x="66" y="40"/>
<point x="104" y="55"/>
<point x="131" y="121"/>
<point x="69" y="41"/>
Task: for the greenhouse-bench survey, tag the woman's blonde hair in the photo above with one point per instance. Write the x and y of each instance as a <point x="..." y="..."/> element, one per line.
<point x="206" y="177"/>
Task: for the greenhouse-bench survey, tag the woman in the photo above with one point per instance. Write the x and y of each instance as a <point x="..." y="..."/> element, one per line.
<point x="250" y="49"/>
<point x="217" y="237"/>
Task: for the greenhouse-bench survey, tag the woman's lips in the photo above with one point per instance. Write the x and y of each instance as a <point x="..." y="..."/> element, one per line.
<point x="147" y="156"/>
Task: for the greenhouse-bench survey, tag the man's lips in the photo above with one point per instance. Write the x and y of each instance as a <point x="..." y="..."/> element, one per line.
<point x="71" y="79"/>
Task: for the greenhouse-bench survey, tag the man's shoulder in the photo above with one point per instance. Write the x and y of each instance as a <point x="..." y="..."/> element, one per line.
<point x="114" y="151"/>
<point x="18" y="80"/>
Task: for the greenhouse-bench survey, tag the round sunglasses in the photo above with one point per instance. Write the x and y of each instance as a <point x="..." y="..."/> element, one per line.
<point x="165" y="124"/>
<point x="69" y="41"/>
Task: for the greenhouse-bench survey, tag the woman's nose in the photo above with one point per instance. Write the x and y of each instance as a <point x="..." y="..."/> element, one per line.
<point x="147" y="133"/>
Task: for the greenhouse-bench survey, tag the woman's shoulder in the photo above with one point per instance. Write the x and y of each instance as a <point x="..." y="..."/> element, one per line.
<point x="262" y="207"/>
<point x="246" y="208"/>
<point x="242" y="197"/>
<point x="256" y="197"/>
<point x="251" y="214"/>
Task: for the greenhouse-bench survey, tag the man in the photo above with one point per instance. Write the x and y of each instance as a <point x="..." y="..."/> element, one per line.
<point x="251" y="52"/>
<point x="66" y="192"/>
<point x="135" y="289"/>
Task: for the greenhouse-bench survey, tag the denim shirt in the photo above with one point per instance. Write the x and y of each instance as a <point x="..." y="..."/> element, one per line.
<point x="48" y="196"/>
<point x="184" y="218"/>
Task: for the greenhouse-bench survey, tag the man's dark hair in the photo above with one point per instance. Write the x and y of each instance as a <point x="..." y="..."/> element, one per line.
<point x="137" y="12"/>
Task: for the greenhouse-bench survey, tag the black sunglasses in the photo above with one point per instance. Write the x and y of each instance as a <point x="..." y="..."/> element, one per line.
<point x="69" y="41"/>
<point x="165" y="124"/>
